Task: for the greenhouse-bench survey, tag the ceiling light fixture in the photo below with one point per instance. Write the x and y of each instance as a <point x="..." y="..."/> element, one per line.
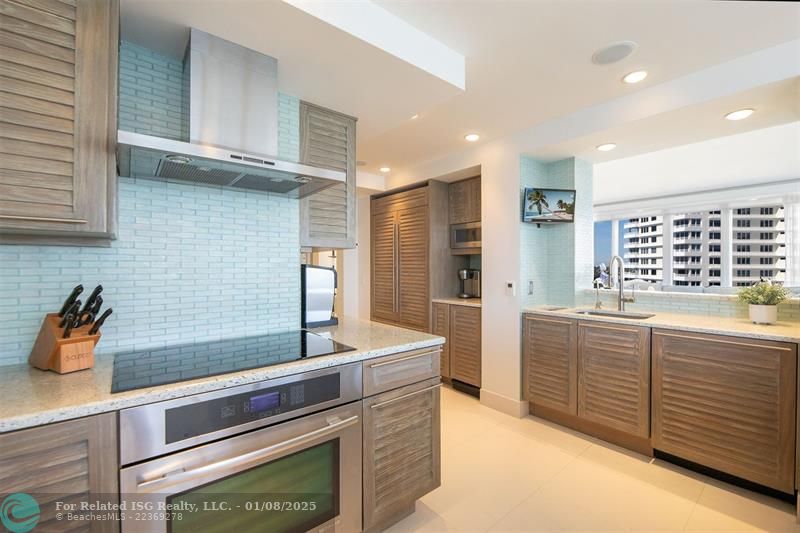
<point x="635" y="77"/>
<point x="385" y="169"/>
<point x="739" y="114"/>
<point x="607" y="147"/>
<point x="414" y="117"/>
<point x="471" y="137"/>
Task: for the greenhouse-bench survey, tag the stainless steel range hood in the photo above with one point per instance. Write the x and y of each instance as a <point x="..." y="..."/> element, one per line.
<point x="232" y="123"/>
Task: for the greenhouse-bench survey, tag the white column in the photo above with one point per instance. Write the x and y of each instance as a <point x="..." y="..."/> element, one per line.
<point x="791" y="218"/>
<point x="666" y="250"/>
<point x="614" y="250"/>
<point x="726" y="242"/>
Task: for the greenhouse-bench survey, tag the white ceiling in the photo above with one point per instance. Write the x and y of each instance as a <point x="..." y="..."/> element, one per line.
<point x="775" y="103"/>
<point x="527" y="62"/>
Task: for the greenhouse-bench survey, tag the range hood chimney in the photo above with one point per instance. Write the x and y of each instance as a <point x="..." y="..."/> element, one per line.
<point x="231" y="121"/>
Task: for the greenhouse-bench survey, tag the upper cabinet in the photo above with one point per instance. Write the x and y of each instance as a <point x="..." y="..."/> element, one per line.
<point x="465" y="201"/>
<point x="58" y="112"/>
<point x="328" y="139"/>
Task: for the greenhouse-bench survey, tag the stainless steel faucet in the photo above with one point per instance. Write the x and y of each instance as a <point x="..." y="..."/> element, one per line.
<point x="622" y="299"/>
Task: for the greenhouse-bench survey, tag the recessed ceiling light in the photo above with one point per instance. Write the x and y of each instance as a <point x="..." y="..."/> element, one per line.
<point x="635" y="77"/>
<point x="739" y="114"/>
<point x="414" y="117"/>
<point x="607" y="147"/>
<point x="385" y="169"/>
<point x="613" y="52"/>
<point x="471" y="137"/>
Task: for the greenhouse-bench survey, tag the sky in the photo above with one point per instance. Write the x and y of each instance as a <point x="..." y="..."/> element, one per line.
<point x="602" y="242"/>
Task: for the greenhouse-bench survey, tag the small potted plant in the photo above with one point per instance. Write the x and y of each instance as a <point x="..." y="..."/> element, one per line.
<point x="763" y="299"/>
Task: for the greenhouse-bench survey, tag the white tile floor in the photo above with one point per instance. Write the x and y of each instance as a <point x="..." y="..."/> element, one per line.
<point x="500" y="473"/>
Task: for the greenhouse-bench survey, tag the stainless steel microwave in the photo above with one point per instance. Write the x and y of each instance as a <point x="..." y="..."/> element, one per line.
<point x="465" y="235"/>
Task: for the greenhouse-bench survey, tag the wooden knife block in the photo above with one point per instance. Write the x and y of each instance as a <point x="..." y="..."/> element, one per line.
<point x="52" y="352"/>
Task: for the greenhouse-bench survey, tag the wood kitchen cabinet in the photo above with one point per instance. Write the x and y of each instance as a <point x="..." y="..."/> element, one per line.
<point x="614" y="376"/>
<point x="328" y="139"/>
<point x="58" y="113"/>
<point x="465" y="344"/>
<point x="410" y="261"/>
<point x="550" y="362"/>
<point x="440" y="325"/>
<point x="74" y="461"/>
<point x="402" y="448"/>
<point x="727" y="403"/>
<point x="465" y="201"/>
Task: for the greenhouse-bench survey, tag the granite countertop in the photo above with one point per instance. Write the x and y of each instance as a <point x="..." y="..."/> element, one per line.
<point x="31" y="397"/>
<point x="469" y="302"/>
<point x="780" y="331"/>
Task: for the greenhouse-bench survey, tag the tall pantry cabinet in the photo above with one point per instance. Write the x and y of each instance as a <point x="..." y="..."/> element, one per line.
<point x="411" y="261"/>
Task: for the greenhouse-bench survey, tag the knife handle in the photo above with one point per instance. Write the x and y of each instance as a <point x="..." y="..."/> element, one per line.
<point x="99" y="322"/>
<point x="71" y="312"/>
<point x="98" y="303"/>
<point x="92" y="297"/>
<point x="70" y="299"/>
<point x="70" y="321"/>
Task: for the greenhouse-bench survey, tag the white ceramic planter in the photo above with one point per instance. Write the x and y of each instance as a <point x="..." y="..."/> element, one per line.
<point x="763" y="314"/>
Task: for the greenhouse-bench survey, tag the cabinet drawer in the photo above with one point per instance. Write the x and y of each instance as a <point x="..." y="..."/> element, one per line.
<point x="400" y="369"/>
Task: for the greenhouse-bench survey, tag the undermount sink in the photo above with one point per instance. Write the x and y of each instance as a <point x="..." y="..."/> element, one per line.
<point x="615" y="314"/>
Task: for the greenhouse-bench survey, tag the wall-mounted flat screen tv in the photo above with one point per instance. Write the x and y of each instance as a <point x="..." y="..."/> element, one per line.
<point x="548" y="205"/>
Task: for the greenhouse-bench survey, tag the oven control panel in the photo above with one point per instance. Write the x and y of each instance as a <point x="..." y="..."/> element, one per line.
<point x="199" y="418"/>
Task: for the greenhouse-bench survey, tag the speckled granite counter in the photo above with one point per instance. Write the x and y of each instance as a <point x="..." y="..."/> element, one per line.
<point x="468" y="302"/>
<point x="31" y="397"/>
<point x="742" y="327"/>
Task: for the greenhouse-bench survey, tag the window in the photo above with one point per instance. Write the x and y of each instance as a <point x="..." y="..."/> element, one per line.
<point x="767" y="236"/>
<point x="767" y="223"/>
<point x="714" y="260"/>
<point x="715" y="273"/>
<point x="765" y="260"/>
<point x="742" y="247"/>
<point x="743" y="236"/>
<point x="715" y="223"/>
<point x="742" y="260"/>
<point x="714" y="248"/>
<point x="743" y="273"/>
<point x="743" y="223"/>
<point x="766" y="248"/>
<point x="767" y="210"/>
<point x="766" y="273"/>
<point x="714" y="236"/>
<point x="744" y="211"/>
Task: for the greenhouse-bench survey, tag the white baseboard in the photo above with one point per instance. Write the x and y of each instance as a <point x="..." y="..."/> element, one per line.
<point x="504" y="404"/>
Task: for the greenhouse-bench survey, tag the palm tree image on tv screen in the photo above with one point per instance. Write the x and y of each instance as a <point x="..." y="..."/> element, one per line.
<point x="548" y="205"/>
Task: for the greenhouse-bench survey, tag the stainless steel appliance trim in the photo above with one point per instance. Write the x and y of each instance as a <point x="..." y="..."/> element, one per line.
<point x="142" y="431"/>
<point x="401" y="359"/>
<point x="205" y="151"/>
<point x="350" y="465"/>
<point x="455" y="243"/>
<point x="251" y="457"/>
<point x="404" y="396"/>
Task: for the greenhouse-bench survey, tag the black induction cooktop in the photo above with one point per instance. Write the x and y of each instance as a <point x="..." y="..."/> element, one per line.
<point x="159" y="366"/>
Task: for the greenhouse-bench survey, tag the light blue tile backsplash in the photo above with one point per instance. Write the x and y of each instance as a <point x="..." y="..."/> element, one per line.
<point x="190" y="262"/>
<point x="556" y="258"/>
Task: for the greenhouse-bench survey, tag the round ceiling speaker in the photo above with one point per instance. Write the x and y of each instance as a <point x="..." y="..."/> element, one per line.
<point x="614" y="52"/>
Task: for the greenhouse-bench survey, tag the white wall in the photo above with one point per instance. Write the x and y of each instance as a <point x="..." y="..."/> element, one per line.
<point x="760" y="156"/>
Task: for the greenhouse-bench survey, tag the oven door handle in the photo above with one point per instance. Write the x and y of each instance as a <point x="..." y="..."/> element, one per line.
<point x="181" y="475"/>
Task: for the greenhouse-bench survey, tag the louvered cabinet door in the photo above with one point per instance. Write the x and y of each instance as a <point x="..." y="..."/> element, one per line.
<point x="614" y="376"/>
<point x="70" y="462"/>
<point x="465" y="344"/>
<point x="58" y="78"/>
<point x="328" y="139"/>
<point x="412" y="258"/>
<point x="441" y="326"/>
<point x="465" y="201"/>
<point x="550" y="349"/>
<point x="727" y="403"/>
<point x="401" y="451"/>
<point x="384" y="266"/>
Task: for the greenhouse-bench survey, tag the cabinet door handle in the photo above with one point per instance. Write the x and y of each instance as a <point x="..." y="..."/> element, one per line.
<point x="396" y="241"/>
<point x="407" y="358"/>
<point x="44" y="219"/>
<point x="404" y="396"/>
